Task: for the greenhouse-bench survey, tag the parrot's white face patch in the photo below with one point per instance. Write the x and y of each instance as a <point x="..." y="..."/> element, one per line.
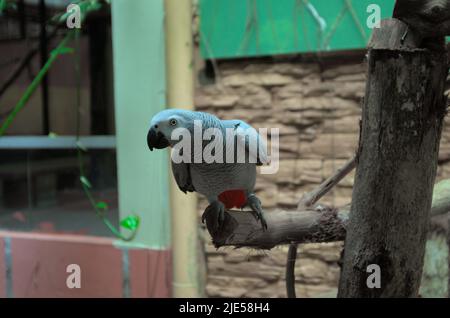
<point x="237" y="145"/>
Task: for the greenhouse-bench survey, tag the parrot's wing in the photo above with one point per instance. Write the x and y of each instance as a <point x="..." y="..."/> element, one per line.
<point x="182" y="174"/>
<point x="248" y="137"/>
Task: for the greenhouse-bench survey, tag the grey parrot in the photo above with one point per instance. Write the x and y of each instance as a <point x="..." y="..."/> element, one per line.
<point x="224" y="184"/>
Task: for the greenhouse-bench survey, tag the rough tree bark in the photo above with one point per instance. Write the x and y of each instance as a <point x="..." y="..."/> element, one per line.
<point x="428" y="18"/>
<point x="397" y="159"/>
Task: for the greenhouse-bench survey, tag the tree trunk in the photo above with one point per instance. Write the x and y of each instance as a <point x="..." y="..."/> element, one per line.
<point x="397" y="160"/>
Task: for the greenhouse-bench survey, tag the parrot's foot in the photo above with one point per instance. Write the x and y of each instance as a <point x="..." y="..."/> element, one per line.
<point x="217" y="209"/>
<point x="255" y="204"/>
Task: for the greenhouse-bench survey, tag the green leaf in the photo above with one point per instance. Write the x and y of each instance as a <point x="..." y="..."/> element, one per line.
<point x="85" y="182"/>
<point x="101" y="205"/>
<point x="131" y="222"/>
<point x="52" y="135"/>
<point x="2" y="5"/>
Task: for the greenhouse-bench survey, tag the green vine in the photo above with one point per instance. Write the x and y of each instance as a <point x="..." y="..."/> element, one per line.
<point x="59" y="50"/>
<point x="5" y="4"/>
<point x="131" y="222"/>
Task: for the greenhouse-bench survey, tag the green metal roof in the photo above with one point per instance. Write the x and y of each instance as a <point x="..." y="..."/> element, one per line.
<point x="238" y="28"/>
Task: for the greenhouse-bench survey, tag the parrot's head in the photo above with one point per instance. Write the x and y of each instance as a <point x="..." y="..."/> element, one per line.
<point x="164" y="123"/>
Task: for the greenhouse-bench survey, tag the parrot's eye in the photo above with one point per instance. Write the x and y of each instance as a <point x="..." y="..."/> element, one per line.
<point x="173" y="122"/>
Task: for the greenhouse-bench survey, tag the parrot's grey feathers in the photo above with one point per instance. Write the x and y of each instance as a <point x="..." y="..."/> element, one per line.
<point x="244" y="134"/>
<point x="211" y="179"/>
<point x="182" y="174"/>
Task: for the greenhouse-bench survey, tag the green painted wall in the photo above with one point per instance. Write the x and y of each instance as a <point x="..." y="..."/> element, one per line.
<point x="139" y="84"/>
<point x="237" y="28"/>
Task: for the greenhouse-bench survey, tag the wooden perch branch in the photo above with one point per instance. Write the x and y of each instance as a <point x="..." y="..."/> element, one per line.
<point x="323" y="224"/>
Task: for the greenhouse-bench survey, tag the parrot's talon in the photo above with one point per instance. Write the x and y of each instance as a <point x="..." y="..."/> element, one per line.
<point x="218" y="210"/>
<point x="221" y="217"/>
<point x="255" y="204"/>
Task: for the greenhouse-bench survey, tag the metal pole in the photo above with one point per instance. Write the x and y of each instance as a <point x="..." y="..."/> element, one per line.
<point x="180" y="94"/>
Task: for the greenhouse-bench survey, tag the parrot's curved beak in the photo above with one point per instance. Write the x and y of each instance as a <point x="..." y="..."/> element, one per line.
<point x="156" y="140"/>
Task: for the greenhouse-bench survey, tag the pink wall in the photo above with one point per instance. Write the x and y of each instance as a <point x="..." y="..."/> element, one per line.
<point x="39" y="263"/>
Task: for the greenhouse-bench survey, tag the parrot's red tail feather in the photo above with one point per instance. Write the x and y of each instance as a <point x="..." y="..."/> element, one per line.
<point x="233" y="198"/>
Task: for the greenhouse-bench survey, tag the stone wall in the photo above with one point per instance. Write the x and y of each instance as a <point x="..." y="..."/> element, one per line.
<point x="317" y="109"/>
